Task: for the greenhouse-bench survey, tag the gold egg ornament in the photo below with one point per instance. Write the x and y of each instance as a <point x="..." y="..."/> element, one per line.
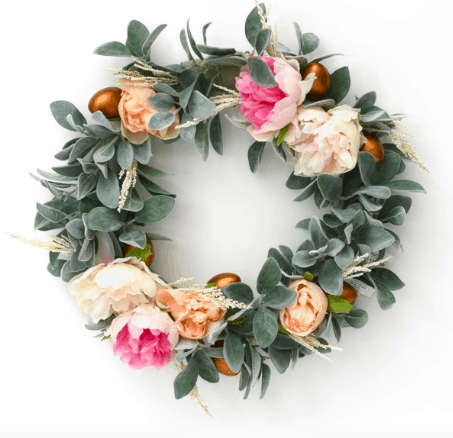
<point x="224" y="279"/>
<point x="321" y="84"/>
<point x="374" y="146"/>
<point x="106" y="101"/>
<point x="221" y="364"/>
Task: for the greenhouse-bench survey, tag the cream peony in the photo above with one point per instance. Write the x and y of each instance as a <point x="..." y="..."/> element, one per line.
<point x="325" y="141"/>
<point x="114" y="287"/>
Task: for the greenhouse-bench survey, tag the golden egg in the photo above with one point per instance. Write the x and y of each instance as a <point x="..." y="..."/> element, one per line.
<point x="349" y="293"/>
<point x="150" y="259"/>
<point x="374" y="146"/>
<point x="222" y="367"/>
<point x="224" y="279"/>
<point x="106" y="101"/>
<point x="321" y="84"/>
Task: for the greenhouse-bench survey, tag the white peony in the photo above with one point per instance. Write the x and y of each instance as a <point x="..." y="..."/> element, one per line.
<point x="325" y="141"/>
<point x="115" y="287"/>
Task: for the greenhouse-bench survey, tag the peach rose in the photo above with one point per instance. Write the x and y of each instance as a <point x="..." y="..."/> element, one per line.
<point x="307" y="311"/>
<point x="196" y="317"/>
<point x="136" y="110"/>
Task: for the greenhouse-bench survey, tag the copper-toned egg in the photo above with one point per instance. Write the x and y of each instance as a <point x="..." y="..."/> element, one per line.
<point x="349" y="293"/>
<point x="321" y="84"/>
<point x="222" y="367"/>
<point x="106" y="101"/>
<point x="374" y="146"/>
<point x="150" y="259"/>
<point x="224" y="279"/>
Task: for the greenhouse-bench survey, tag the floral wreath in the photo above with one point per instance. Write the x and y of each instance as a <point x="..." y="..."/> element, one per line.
<point x="104" y="196"/>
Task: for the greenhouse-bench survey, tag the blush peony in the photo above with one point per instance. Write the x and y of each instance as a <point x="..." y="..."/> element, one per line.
<point x="195" y="316"/>
<point x="325" y="141"/>
<point x="308" y="309"/>
<point x="271" y="109"/>
<point x="144" y="337"/>
<point x="136" y="110"/>
<point x="114" y="287"/>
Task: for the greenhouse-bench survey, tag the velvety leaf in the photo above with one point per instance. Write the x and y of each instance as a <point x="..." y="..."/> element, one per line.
<point x="255" y="153"/>
<point x="253" y="24"/>
<point x="137" y="35"/>
<point x="105" y="153"/>
<point x="265" y="379"/>
<point x="142" y="152"/>
<point x="386" y="170"/>
<point x="283" y="342"/>
<point x="311" y="188"/>
<point x="331" y="278"/>
<point x="86" y="184"/>
<point x="345" y="257"/>
<point x="125" y="155"/>
<point x="108" y="190"/>
<point x="405" y="186"/>
<point x="103" y="219"/>
<point x="375" y="237"/>
<point x="167" y="89"/>
<point x="133" y="201"/>
<point x="146" y="49"/>
<point x="296" y="182"/>
<point x="367" y="166"/>
<point x="331" y="186"/>
<point x="113" y="48"/>
<point x="204" y="30"/>
<point x="185" y="44"/>
<point x="389" y="278"/>
<point x="135" y="238"/>
<point x="262" y="40"/>
<point x="215" y="134"/>
<point x="239" y="292"/>
<point x="162" y="102"/>
<point x="200" y="106"/>
<point x="161" y="121"/>
<point x="186" y="379"/>
<point x="385" y="297"/>
<point x="81" y="147"/>
<point x="216" y="51"/>
<point x="280" y="358"/>
<point x="73" y="170"/>
<point x="265" y="327"/>
<point x="61" y="109"/>
<point x="310" y="43"/>
<point x="356" y="318"/>
<point x="303" y="259"/>
<point x="380" y="192"/>
<point x="285" y="264"/>
<point x="233" y="351"/>
<point x="279" y="298"/>
<point x="366" y="101"/>
<point x="76" y="228"/>
<point x="201" y="142"/>
<point x="317" y="235"/>
<point x="261" y="73"/>
<point x="192" y="42"/>
<point x="155" y="209"/>
<point x="206" y="367"/>
<point x="269" y="276"/>
<point x="393" y="202"/>
<point x="340" y="82"/>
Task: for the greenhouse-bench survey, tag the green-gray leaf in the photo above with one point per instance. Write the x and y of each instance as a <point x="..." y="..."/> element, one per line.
<point x="135" y="238"/>
<point x="375" y="237"/>
<point x="155" y="209"/>
<point x="310" y="43"/>
<point x="261" y="73"/>
<point x="113" y="48"/>
<point x="239" y="292"/>
<point x="137" y="35"/>
<point x="61" y="109"/>
<point x="279" y="298"/>
<point x="269" y="276"/>
<point x="366" y="101"/>
<point x="200" y="106"/>
<point x="340" y="83"/>
<point x="146" y="49"/>
<point x="280" y="358"/>
<point x="253" y="24"/>
<point x="108" y="190"/>
<point x="142" y="152"/>
<point x="76" y="228"/>
<point x="206" y="367"/>
<point x="262" y="40"/>
<point x="331" y="277"/>
<point x="162" y="102"/>
<point x="254" y="154"/>
<point x="265" y="379"/>
<point x="356" y="318"/>
<point x="125" y="155"/>
<point x="385" y="297"/>
<point x="186" y="379"/>
<point x="161" y="121"/>
<point x="389" y="278"/>
<point x="233" y="351"/>
<point x="331" y="186"/>
<point x="215" y="134"/>
<point x="103" y="219"/>
<point x="405" y="186"/>
<point x="265" y="327"/>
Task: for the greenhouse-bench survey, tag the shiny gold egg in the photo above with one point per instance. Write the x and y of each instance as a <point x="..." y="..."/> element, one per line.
<point x="374" y="146"/>
<point x="106" y="101"/>
<point x="150" y="259"/>
<point x="224" y="279"/>
<point x="222" y="367"/>
<point x="349" y="293"/>
<point x="321" y="84"/>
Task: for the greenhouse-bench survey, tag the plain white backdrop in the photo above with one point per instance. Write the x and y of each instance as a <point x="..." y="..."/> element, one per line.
<point x="394" y="375"/>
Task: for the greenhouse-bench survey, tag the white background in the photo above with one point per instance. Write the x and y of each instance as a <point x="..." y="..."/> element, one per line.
<point x="394" y="375"/>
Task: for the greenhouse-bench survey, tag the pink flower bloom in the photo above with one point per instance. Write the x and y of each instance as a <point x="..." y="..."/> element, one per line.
<point x="144" y="337"/>
<point x="271" y="109"/>
<point x="196" y="317"/>
<point x="325" y="141"/>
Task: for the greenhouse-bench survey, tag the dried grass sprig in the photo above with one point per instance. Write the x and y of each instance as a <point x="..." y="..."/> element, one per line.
<point x="356" y="270"/>
<point x="129" y="182"/>
<point x="312" y="344"/>
<point x="59" y="244"/>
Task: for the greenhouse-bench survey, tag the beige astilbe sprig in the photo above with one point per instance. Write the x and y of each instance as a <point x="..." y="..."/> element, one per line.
<point x="355" y="269"/>
<point x="212" y="293"/>
<point x="194" y="394"/>
<point x="312" y="344"/>
<point x="273" y="43"/>
<point x="401" y="137"/>
<point x="130" y="180"/>
<point x="59" y="244"/>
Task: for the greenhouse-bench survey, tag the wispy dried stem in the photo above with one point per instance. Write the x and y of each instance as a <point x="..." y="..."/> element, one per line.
<point x="356" y="270"/>
<point x="58" y="244"/>
<point x="129" y="182"/>
<point x="312" y="344"/>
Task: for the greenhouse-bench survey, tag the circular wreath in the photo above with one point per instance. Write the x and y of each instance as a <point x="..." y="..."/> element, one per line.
<point x="346" y="157"/>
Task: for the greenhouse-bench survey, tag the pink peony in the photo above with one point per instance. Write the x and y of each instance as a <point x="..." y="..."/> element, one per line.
<point x="271" y="109"/>
<point x="325" y="141"/>
<point x="195" y="316"/>
<point x="144" y="337"/>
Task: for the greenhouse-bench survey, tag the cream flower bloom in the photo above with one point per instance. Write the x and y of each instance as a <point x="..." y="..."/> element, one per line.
<point x="114" y="287"/>
<point x="325" y="141"/>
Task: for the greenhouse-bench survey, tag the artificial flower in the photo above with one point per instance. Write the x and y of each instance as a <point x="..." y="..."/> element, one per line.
<point x="325" y="141"/>
<point x="270" y="109"/>
<point x="136" y="110"/>
<point x="195" y="316"/>
<point x="114" y="287"/>
<point x="144" y="337"/>
<point x="308" y="309"/>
